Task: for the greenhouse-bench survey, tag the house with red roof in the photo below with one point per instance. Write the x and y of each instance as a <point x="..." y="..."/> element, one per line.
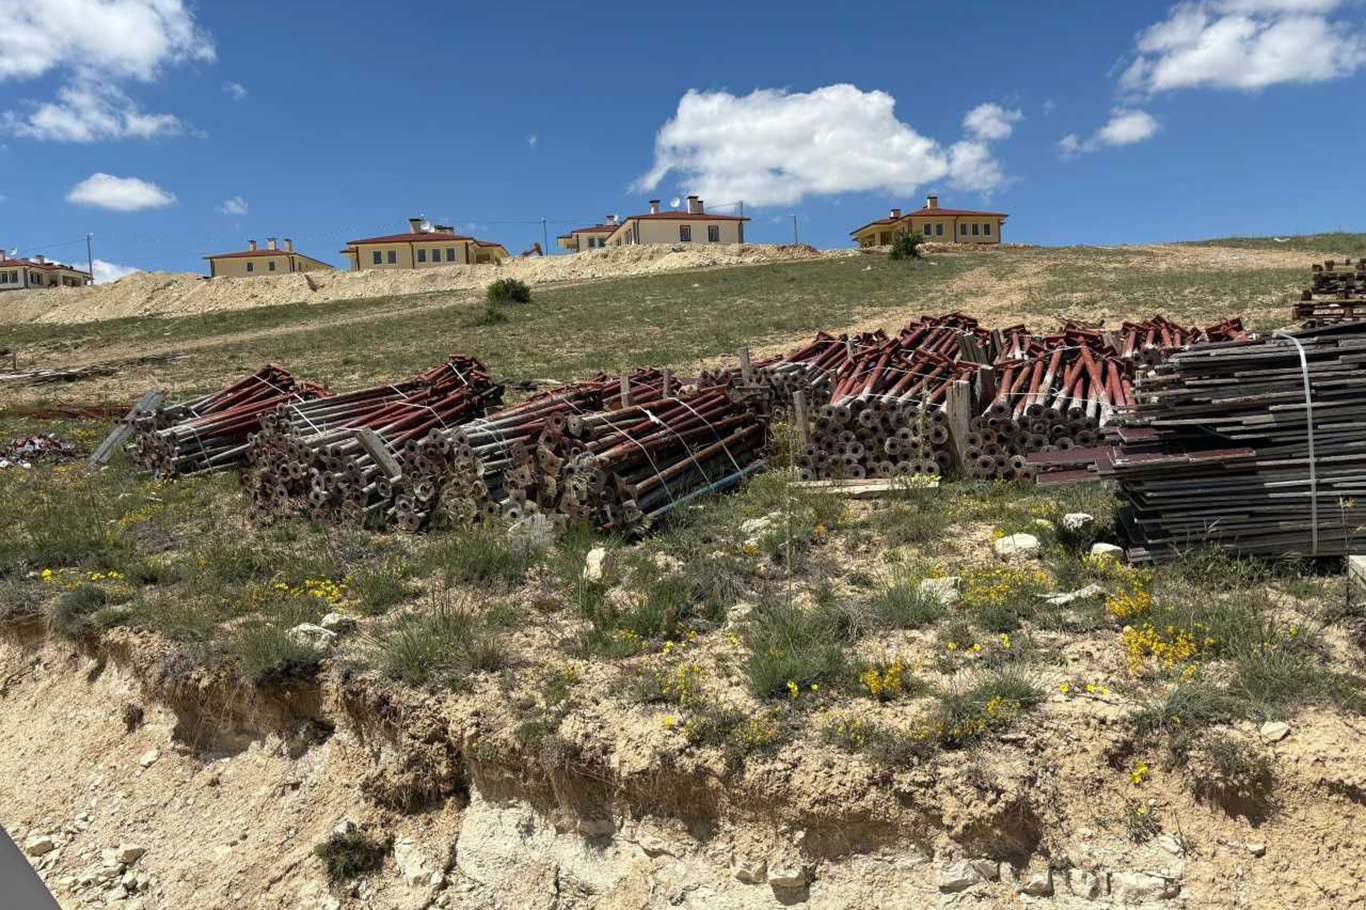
<point x="253" y="262"/>
<point x="17" y="274"/>
<point x="934" y="223"/>
<point x="423" y="246"/>
<point x="696" y="225"/>
<point x="588" y="238"/>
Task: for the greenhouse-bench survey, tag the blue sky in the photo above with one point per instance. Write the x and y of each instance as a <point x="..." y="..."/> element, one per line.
<point x="171" y="129"/>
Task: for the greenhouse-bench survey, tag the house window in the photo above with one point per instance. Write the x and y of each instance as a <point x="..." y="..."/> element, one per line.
<point x="963" y="229"/>
<point x="713" y="233"/>
<point x="271" y="265"/>
<point x="975" y="229"/>
<point x="986" y="229"/>
<point x="450" y="254"/>
<point x="251" y="266"/>
<point x="379" y="259"/>
<point x="4" y="277"/>
<point x="393" y="257"/>
<point x="685" y="233"/>
<point x="928" y="229"/>
<point x="421" y="255"/>
<point x="939" y="229"/>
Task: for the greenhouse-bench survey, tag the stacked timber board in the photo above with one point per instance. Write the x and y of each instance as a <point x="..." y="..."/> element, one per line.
<point x="1337" y="293"/>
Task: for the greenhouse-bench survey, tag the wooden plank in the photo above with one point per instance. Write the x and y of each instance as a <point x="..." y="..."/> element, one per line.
<point x="123" y="430"/>
<point x="371" y="442"/>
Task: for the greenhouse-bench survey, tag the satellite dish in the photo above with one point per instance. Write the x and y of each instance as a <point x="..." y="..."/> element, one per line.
<point x="426" y="226"/>
<point x="675" y="202"/>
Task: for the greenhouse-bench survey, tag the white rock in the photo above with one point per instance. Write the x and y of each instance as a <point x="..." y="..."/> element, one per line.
<point x="752" y="870"/>
<point x="412" y="865"/>
<point x="1023" y="546"/>
<point x="667" y="563"/>
<point x="1107" y="549"/>
<point x="943" y="591"/>
<point x="1257" y="849"/>
<point x="756" y="526"/>
<point x="1084" y="884"/>
<point x="344" y="827"/>
<point x="329" y="903"/>
<point x="592" y="566"/>
<point x="1171" y="845"/>
<point x="786" y="874"/>
<point x="957" y="877"/>
<point x="39" y="845"/>
<point x="1037" y="884"/>
<point x="337" y="622"/>
<point x="1060" y="599"/>
<point x="989" y="869"/>
<point x="1075" y="521"/>
<point x="1275" y="730"/>
<point x="532" y="533"/>
<point x="149" y="758"/>
<point x="130" y="853"/>
<point x="308" y="634"/>
<point x="1140" y="887"/>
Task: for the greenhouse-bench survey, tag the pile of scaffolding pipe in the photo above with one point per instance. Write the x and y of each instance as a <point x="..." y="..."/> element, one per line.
<point x="212" y="432"/>
<point x="1153" y="340"/>
<point x="629" y="468"/>
<point x="495" y="472"/>
<point x="373" y="457"/>
<point x="884" y="415"/>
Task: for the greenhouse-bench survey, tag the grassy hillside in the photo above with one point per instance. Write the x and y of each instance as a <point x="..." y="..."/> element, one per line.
<point x="1340" y="243"/>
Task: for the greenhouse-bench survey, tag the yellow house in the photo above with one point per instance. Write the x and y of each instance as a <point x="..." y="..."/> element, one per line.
<point x="693" y="226"/>
<point x="17" y="274"/>
<point x="424" y="246"/>
<point x="253" y="263"/>
<point x="934" y="223"/>
<point x="588" y="238"/>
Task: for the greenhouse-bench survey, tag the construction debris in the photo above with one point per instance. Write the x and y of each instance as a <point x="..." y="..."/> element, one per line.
<point x="22" y="453"/>
<point x="1336" y="294"/>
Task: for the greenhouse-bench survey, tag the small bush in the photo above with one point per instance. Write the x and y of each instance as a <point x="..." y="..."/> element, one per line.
<point x="508" y="290"/>
<point x="789" y="646"/>
<point x="964" y="717"/>
<point x="379" y="587"/>
<point x="19" y="603"/>
<point x="350" y="855"/>
<point x="1230" y="768"/>
<point x="439" y="647"/>
<point x="900" y="605"/>
<point x="480" y="555"/>
<point x="72" y="617"/>
<point x="1141" y="823"/>
<point x="267" y="655"/>
<point x="905" y="245"/>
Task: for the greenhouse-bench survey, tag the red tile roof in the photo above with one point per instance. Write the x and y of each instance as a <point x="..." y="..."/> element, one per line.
<point x="46" y="266"/>
<point x="428" y="237"/>
<point x="490" y="243"/>
<point x="595" y="229"/>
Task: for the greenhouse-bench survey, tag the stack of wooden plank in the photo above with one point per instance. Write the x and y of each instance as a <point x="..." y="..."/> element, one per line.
<point x="1243" y="445"/>
<point x="1337" y="293"/>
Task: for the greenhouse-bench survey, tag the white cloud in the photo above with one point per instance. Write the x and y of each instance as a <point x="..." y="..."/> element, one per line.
<point x="98" y="45"/>
<point x="236" y="90"/>
<point x="991" y="121"/>
<point x="107" y="272"/>
<point x="531" y="140"/>
<point x="1049" y="106"/>
<point x="86" y="111"/>
<point x="1244" y="44"/>
<point x="774" y="147"/>
<point x="234" y="206"/>
<point x="119" y="194"/>
<point x="1125" y="127"/>
<point x="120" y="39"/>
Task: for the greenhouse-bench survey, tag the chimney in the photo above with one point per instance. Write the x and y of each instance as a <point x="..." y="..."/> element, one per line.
<point x="270" y="243"/>
<point x="289" y="245"/>
<point x="415" y="225"/>
<point x="251" y="246"/>
<point x="694" y="205"/>
<point x="40" y="259"/>
<point x="896" y="213"/>
<point x="931" y="202"/>
<point x="654" y="206"/>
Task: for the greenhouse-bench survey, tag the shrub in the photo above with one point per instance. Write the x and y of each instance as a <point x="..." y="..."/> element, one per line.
<point x="900" y="605"/>
<point x="964" y="717"/>
<point x="792" y="647"/>
<point x="267" y="654"/>
<point x="905" y="245"/>
<point x="442" y="646"/>
<point x="350" y="855"/>
<point x="1230" y="768"/>
<point x="508" y="290"/>
<point x="72" y="617"/>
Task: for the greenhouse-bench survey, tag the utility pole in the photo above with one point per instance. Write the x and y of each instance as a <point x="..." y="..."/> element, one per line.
<point x="545" y="239"/>
<point x="794" y="230"/>
<point x="89" y="258"/>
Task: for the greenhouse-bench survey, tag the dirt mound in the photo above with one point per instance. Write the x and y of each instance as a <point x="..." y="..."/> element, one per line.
<point x="185" y="293"/>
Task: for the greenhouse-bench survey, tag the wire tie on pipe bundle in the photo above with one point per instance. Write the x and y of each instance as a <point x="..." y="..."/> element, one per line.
<point x="692" y="456"/>
<point x="724" y="447"/>
<point x="1309" y="427"/>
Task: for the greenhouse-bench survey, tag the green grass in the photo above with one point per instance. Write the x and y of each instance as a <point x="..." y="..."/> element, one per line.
<point x="788" y="646"/>
<point x="1337" y="243"/>
<point x="440" y="647"/>
<point x="350" y="855"/>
